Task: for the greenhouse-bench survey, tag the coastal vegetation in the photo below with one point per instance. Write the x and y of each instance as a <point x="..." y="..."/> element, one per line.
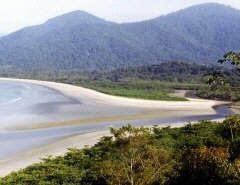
<point x="206" y="153"/>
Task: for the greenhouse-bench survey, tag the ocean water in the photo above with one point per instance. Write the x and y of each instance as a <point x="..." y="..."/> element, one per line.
<point x="9" y="94"/>
<point x="16" y="93"/>
<point x="27" y="103"/>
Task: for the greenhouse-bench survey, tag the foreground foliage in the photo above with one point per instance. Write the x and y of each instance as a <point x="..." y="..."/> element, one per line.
<point x="203" y="153"/>
<point x="223" y="84"/>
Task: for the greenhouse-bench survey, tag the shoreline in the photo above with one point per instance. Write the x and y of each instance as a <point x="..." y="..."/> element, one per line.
<point x="79" y="92"/>
<point x="145" y="108"/>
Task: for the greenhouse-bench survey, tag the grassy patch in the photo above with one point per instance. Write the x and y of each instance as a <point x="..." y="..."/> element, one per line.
<point x="141" y="89"/>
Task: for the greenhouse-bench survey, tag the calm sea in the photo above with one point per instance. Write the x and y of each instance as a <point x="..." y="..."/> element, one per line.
<point x="10" y="93"/>
<point x="27" y="103"/>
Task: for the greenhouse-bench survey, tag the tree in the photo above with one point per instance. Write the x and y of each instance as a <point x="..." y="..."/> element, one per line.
<point x="138" y="161"/>
<point x="230" y="128"/>
<point x="206" y="166"/>
<point x="232" y="57"/>
<point x="218" y="76"/>
<point x="221" y="84"/>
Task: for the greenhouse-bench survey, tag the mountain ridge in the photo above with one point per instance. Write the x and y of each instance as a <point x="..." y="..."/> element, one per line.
<point x="81" y="41"/>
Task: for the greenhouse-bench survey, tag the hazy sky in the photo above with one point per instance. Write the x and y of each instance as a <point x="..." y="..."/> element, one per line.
<point x="16" y="14"/>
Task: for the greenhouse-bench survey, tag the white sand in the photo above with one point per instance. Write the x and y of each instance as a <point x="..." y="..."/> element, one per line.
<point x="193" y="106"/>
<point x="84" y="94"/>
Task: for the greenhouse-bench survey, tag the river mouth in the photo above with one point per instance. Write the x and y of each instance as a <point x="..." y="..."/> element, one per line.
<point x="221" y="110"/>
<point x="224" y="110"/>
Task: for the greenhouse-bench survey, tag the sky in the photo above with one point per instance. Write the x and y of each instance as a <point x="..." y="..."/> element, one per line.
<point x="16" y="14"/>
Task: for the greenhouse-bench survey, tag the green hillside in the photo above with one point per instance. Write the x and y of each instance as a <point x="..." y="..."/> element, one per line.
<point x="80" y="41"/>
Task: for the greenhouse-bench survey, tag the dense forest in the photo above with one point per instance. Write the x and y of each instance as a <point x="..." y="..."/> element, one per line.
<point x="206" y="153"/>
<point x="79" y="40"/>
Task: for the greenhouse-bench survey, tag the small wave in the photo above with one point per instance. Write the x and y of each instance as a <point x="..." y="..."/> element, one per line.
<point x="12" y="101"/>
<point x="15" y="100"/>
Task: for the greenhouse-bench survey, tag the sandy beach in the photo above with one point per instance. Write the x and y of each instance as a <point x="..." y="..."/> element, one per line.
<point x="147" y="109"/>
<point x="97" y="97"/>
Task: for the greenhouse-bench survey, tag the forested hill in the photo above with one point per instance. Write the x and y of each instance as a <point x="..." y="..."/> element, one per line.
<point x="179" y="72"/>
<point x="81" y="41"/>
<point x="167" y="71"/>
